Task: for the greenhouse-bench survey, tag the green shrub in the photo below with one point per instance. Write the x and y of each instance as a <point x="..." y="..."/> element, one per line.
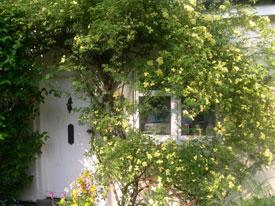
<point x="19" y="98"/>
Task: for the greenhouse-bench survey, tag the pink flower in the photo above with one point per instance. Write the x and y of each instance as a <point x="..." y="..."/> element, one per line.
<point x="63" y="194"/>
<point x="51" y="195"/>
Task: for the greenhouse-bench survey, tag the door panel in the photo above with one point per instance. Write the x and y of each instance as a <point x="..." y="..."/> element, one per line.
<point x="62" y="161"/>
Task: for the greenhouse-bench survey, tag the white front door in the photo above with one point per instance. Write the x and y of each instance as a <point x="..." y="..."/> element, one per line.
<point x="60" y="162"/>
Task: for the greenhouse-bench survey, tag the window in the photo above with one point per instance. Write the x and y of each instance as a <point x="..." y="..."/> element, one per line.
<point x="155" y="115"/>
<point x="202" y="125"/>
<point x="162" y="116"/>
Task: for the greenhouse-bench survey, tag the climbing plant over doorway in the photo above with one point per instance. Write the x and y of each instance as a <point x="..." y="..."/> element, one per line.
<point x="204" y="55"/>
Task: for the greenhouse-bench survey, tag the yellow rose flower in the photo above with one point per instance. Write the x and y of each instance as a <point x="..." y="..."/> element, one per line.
<point x="150" y="63"/>
<point x="159" y="60"/>
<point x="159" y="72"/>
<point x="145" y="84"/>
<point x="62" y="202"/>
<point x="165" y="13"/>
<point x="188" y="8"/>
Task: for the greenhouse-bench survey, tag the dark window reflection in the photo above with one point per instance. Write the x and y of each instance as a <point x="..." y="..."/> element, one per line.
<point x="155" y="115"/>
<point x="202" y="125"/>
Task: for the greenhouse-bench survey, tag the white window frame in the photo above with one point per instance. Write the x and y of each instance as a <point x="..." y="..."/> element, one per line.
<point x="175" y="121"/>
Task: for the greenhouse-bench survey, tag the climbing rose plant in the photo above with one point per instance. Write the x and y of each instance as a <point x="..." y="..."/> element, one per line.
<point x="204" y="54"/>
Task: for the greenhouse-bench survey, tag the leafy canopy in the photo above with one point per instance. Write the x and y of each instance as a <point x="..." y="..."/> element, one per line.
<point x="208" y="57"/>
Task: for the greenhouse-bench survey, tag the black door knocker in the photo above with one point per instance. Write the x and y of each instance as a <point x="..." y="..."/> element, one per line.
<point x="69" y="104"/>
<point x="70" y="126"/>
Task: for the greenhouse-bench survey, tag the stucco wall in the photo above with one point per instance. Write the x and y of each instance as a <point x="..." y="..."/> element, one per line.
<point x="60" y="163"/>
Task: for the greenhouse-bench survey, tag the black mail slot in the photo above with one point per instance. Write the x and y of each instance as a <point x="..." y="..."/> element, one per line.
<point x="70" y="134"/>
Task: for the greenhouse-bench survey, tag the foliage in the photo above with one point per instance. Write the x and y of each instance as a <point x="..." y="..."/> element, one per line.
<point x="140" y="168"/>
<point x="83" y="192"/>
<point x="18" y="102"/>
<point x="268" y="201"/>
<point x="206" y="56"/>
<point x="131" y="166"/>
<point x="257" y="192"/>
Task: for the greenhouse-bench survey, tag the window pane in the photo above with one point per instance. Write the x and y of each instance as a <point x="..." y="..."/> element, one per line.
<point x="155" y="115"/>
<point x="202" y="125"/>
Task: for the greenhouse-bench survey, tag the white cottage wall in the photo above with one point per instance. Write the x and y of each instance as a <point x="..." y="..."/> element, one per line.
<point x="60" y="163"/>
